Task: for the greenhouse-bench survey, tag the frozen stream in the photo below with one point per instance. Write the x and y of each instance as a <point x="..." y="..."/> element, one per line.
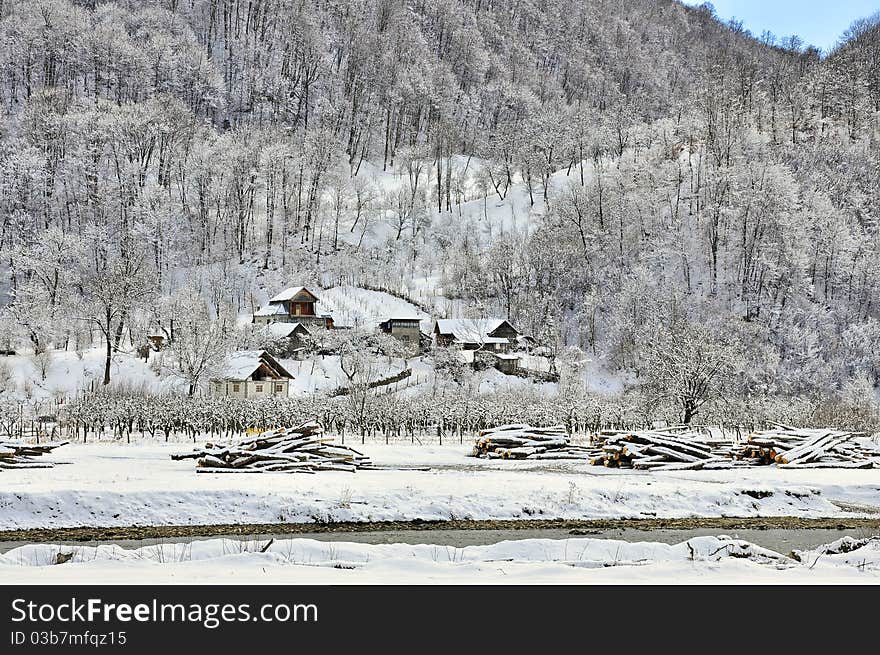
<point x="780" y="540"/>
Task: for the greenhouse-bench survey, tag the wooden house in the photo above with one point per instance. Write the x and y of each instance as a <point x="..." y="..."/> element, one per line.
<point x="293" y="305"/>
<point x="404" y="329"/>
<point x="493" y="334"/>
<point x="251" y="374"/>
<point x="157" y="341"/>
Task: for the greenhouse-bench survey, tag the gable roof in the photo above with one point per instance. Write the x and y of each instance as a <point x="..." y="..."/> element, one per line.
<point x="282" y="330"/>
<point x="292" y="292"/>
<point x="271" y="310"/>
<point x="472" y="330"/>
<point x="242" y="364"/>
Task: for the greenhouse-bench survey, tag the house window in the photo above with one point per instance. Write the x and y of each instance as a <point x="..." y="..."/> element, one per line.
<point x="259" y="388"/>
<point x="236" y="388"/>
<point x="279" y="388"/>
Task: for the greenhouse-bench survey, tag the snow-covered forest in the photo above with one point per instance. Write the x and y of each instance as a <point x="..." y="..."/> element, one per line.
<point x="690" y="207"/>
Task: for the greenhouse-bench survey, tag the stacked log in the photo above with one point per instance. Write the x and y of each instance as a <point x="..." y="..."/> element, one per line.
<point x="20" y="455"/>
<point x="661" y="450"/>
<point x="678" y="449"/>
<point x="522" y="441"/>
<point x="300" y="449"/>
<point x="808" y="448"/>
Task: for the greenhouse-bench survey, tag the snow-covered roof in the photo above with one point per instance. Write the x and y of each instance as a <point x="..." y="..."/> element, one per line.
<point x="270" y="310"/>
<point x="481" y="340"/>
<point x="506" y="355"/>
<point x="282" y="330"/>
<point x="471" y="330"/>
<point x="290" y="293"/>
<point x="398" y="317"/>
<point x="242" y="364"/>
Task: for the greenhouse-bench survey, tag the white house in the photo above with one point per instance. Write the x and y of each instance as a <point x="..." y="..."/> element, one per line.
<point x="251" y="374"/>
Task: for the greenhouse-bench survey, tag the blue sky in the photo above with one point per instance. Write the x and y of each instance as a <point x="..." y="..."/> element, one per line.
<point x="817" y="22"/>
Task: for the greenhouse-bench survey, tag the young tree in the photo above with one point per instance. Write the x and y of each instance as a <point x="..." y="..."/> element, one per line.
<point x="688" y="365"/>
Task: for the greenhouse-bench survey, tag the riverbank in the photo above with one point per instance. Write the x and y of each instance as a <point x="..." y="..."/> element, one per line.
<point x="575" y="560"/>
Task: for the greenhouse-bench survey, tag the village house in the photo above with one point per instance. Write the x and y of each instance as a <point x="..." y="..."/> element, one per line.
<point x="404" y="329"/>
<point x="156" y="341"/>
<point x="284" y="339"/>
<point x="293" y="305"/>
<point x="251" y="374"/>
<point x="493" y="335"/>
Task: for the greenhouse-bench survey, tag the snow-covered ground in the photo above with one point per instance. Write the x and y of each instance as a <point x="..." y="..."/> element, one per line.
<point x="68" y="373"/>
<point x="109" y="484"/>
<point x="323" y="373"/>
<point x="700" y="560"/>
<point x="357" y="307"/>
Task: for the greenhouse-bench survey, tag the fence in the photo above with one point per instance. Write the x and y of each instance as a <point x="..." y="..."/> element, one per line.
<point x="391" y="379"/>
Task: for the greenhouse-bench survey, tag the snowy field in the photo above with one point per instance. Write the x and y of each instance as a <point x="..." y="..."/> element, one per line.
<point x="109" y="484"/>
<point x="356" y="307"/>
<point x="700" y="560"/>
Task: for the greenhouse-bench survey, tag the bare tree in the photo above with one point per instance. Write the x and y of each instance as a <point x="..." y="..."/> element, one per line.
<point x="119" y="287"/>
<point x="199" y="342"/>
<point x="690" y="366"/>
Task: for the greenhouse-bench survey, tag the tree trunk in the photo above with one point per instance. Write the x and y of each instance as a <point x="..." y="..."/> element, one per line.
<point x="689" y="412"/>
<point x="109" y="356"/>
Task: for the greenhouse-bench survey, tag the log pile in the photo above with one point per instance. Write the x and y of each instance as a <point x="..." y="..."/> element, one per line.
<point x="526" y="442"/>
<point x="682" y="449"/>
<point x="300" y="449"/>
<point x="807" y="448"/>
<point x="20" y="455"/>
<point x="662" y="450"/>
<point x="677" y="449"/>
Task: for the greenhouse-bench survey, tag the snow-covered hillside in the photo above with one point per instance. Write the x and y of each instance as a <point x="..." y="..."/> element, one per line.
<point x="67" y="374"/>
<point x="363" y="308"/>
<point x="479" y="211"/>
